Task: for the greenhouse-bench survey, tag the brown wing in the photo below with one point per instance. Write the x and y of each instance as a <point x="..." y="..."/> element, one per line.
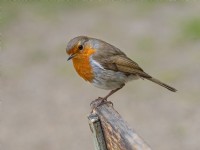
<point x="123" y="64"/>
<point x="114" y="59"/>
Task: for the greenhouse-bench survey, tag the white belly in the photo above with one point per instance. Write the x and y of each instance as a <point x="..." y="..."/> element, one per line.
<point x="108" y="79"/>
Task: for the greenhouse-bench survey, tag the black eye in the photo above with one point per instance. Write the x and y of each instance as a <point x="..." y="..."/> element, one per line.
<point x="80" y="47"/>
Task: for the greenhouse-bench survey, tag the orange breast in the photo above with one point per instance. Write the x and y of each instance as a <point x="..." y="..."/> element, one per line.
<point x="82" y="64"/>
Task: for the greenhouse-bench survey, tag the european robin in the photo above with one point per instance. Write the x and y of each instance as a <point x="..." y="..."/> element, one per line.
<point x="104" y="65"/>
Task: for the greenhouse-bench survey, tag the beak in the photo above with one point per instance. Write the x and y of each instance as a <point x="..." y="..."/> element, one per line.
<point x="71" y="56"/>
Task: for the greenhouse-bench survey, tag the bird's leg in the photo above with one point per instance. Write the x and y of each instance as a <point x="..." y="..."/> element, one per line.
<point x="104" y="99"/>
<point x="112" y="92"/>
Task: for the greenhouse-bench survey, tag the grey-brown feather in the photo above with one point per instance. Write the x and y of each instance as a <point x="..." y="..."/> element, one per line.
<point x="111" y="58"/>
<point x="118" y="61"/>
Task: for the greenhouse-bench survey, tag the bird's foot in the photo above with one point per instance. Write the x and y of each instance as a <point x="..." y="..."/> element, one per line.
<point x="98" y="102"/>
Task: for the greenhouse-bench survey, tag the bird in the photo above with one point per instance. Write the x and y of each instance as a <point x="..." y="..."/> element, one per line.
<point x="104" y="65"/>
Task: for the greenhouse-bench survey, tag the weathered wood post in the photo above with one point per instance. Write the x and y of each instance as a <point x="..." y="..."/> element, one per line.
<point x="111" y="132"/>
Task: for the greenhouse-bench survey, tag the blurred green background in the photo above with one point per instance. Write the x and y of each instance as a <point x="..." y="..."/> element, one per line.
<point x="44" y="103"/>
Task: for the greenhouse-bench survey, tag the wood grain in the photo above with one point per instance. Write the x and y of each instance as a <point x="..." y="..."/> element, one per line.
<point x="117" y="133"/>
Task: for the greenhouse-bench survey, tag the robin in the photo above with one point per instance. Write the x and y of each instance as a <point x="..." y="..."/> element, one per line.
<point x="104" y="65"/>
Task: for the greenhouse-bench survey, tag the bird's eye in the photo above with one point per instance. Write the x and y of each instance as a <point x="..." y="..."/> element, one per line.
<point x="80" y="47"/>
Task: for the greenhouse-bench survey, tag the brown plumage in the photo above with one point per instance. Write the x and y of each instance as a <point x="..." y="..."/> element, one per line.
<point x="112" y="58"/>
<point x="107" y="66"/>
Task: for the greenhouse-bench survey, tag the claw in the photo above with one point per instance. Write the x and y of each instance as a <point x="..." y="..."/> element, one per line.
<point x="105" y="102"/>
<point x="98" y="102"/>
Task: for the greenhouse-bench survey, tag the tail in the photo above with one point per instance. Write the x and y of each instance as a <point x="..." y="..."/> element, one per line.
<point x="162" y="84"/>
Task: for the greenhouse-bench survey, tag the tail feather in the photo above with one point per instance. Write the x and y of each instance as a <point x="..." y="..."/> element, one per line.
<point x="162" y="84"/>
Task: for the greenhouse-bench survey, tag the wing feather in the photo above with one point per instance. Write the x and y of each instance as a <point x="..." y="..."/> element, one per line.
<point x="123" y="64"/>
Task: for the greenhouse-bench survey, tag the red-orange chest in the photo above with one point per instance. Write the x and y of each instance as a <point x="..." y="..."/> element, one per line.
<point x="83" y="67"/>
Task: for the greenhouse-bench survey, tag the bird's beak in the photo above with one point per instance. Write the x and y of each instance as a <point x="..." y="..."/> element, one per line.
<point x="71" y="56"/>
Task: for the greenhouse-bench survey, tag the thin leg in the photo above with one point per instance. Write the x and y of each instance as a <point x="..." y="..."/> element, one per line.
<point x="112" y="92"/>
<point x="104" y="100"/>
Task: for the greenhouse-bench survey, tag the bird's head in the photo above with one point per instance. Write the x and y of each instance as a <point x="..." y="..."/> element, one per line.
<point x="79" y="46"/>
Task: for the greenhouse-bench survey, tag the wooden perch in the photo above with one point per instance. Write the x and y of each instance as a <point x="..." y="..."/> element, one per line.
<point x="109" y="128"/>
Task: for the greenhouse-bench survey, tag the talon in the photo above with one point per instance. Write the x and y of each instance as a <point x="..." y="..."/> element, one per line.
<point x="98" y="102"/>
<point x="95" y="103"/>
<point x="109" y="102"/>
<point x="104" y="101"/>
